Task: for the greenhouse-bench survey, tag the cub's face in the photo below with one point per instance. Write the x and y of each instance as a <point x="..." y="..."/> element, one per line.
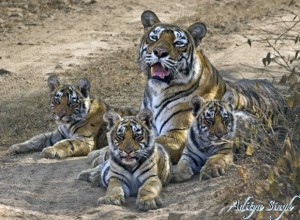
<point x="130" y="138"/>
<point x="166" y="51"/>
<point x="214" y="120"/>
<point x="67" y="102"/>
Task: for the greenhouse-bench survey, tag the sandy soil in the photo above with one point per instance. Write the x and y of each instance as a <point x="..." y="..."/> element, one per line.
<point x="98" y="40"/>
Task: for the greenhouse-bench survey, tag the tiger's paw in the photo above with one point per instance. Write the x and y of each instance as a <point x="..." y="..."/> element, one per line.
<point x="97" y="157"/>
<point x="214" y="167"/>
<point x="93" y="155"/>
<point x="114" y="199"/>
<point x="90" y="175"/>
<point x="14" y="149"/>
<point x="54" y="153"/>
<point x="17" y="149"/>
<point x="182" y="172"/>
<point x="145" y="203"/>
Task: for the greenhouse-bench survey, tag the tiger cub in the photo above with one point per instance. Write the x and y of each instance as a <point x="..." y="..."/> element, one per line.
<point x="80" y="123"/>
<point x="136" y="165"/>
<point x="215" y="133"/>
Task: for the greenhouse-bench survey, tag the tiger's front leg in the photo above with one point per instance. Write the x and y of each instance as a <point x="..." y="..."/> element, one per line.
<point x="114" y="194"/>
<point x="148" y="195"/>
<point x="173" y="142"/>
<point x="217" y="165"/>
<point x="69" y="148"/>
<point x="37" y="143"/>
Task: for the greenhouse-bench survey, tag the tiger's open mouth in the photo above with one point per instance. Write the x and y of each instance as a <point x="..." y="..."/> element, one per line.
<point x="160" y="73"/>
<point x="129" y="160"/>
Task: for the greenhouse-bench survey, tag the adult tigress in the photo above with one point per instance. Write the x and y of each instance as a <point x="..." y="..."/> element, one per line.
<point x="178" y="71"/>
<point x="80" y="122"/>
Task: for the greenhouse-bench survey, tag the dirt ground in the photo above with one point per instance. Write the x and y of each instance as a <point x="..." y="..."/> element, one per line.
<point x="98" y="40"/>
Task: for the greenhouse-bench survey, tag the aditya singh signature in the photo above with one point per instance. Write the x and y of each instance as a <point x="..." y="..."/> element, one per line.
<point x="252" y="207"/>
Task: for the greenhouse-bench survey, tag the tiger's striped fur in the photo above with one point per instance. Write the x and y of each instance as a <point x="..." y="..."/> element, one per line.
<point x="136" y="167"/>
<point x="215" y="133"/>
<point x="80" y="122"/>
<point x="178" y="71"/>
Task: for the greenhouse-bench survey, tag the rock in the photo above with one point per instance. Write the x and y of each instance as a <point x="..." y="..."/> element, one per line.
<point x="4" y="72"/>
<point x="175" y="215"/>
<point x="89" y="1"/>
<point x="16" y="14"/>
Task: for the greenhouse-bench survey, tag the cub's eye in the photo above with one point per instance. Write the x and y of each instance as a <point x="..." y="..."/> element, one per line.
<point x="225" y="118"/>
<point x="74" y="102"/>
<point x="209" y="120"/>
<point x="57" y="98"/>
<point x="119" y="134"/>
<point x="153" y="37"/>
<point x="121" y="130"/>
<point x="179" y="44"/>
<point x="138" y="137"/>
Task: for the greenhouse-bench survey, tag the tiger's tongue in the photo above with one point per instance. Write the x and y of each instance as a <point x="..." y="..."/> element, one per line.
<point x="159" y="71"/>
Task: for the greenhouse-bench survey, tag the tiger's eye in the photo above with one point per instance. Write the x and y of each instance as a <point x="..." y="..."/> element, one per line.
<point x="179" y="44"/>
<point x="138" y="137"/>
<point x="209" y="120"/>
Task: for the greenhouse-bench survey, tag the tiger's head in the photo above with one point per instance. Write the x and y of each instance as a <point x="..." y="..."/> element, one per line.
<point x="167" y="52"/>
<point x="214" y="119"/>
<point x="130" y="138"/>
<point x="69" y="103"/>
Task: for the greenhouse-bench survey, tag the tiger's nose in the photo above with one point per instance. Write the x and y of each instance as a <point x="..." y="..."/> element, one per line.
<point x="128" y="151"/>
<point x="61" y="113"/>
<point x="160" y="52"/>
<point x="219" y="133"/>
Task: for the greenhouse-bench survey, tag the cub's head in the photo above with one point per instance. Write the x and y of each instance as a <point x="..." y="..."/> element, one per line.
<point x="69" y="103"/>
<point x="166" y="51"/>
<point x="130" y="138"/>
<point x="214" y="119"/>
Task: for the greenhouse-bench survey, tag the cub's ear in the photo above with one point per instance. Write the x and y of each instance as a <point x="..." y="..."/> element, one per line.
<point x="229" y="98"/>
<point x="53" y="82"/>
<point x="84" y="86"/>
<point x="146" y="116"/>
<point x="198" y="31"/>
<point x="149" y="18"/>
<point x="110" y="118"/>
<point x="196" y="103"/>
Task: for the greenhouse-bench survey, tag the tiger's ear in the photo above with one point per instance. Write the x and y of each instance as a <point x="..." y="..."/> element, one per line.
<point x="53" y="82"/>
<point x="229" y="98"/>
<point x="149" y="18"/>
<point x="146" y="116"/>
<point x="110" y="118"/>
<point x="198" y="31"/>
<point x="196" y="103"/>
<point x="84" y="87"/>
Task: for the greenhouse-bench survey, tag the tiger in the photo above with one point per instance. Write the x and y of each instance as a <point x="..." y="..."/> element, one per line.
<point x="217" y="132"/>
<point x="79" y="118"/>
<point x="177" y="70"/>
<point x="136" y="165"/>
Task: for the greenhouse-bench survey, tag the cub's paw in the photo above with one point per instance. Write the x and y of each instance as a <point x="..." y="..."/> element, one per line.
<point x="97" y="157"/>
<point x="90" y="175"/>
<point x="149" y="203"/>
<point x="16" y="149"/>
<point x="53" y="152"/>
<point x="182" y="172"/>
<point x="214" y="167"/>
<point x="114" y="199"/>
